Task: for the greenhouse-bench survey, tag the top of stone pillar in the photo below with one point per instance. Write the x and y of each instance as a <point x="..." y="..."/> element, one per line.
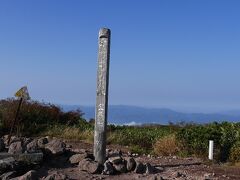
<point x="104" y="33"/>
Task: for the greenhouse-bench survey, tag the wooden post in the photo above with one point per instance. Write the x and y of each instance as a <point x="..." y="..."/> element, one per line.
<point x="15" y="120"/>
<point x="102" y="96"/>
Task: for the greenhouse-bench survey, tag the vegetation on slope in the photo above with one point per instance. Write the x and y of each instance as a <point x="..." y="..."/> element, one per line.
<point x="37" y="118"/>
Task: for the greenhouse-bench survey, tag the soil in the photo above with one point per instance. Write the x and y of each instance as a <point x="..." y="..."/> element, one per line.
<point x="173" y="167"/>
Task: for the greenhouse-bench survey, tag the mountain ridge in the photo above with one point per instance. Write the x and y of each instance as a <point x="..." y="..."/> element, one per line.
<point x="125" y="114"/>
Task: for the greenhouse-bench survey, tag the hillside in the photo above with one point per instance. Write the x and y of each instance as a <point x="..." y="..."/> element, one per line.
<point x="122" y="114"/>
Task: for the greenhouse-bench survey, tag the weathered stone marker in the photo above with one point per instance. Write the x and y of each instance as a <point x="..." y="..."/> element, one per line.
<point x="102" y="96"/>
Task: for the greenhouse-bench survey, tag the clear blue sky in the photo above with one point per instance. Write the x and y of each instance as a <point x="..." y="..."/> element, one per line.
<point x="179" y="54"/>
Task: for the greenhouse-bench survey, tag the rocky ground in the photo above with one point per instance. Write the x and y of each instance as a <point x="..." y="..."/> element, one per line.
<point x="49" y="159"/>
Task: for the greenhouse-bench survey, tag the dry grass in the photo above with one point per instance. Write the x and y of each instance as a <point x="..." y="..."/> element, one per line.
<point x="235" y="154"/>
<point x="166" y="146"/>
<point x="70" y="133"/>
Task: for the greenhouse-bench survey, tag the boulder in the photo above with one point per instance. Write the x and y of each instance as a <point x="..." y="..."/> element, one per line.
<point x="16" y="147"/>
<point x="149" y="169"/>
<point x="108" y="168"/>
<point x="113" y="153"/>
<point x="26" y="141"/>
<point x="76" y="158"/>
<point x="42" y="141"/>
<point x="56" y="176"/>
<point x="90" y="166"/>
<point x="6" y="164"/>
<point x="32" y="147"/>
<point x="2" y="145"/>
<point x="8" y="175"/>
<point x="116" y="159"/>
<point x="30" y="175"/>
<point x="56" y="147"/>
<point x="121" y="167"/>
<point x="140" y="168"/>
<point x="29" y="158"/>
<point x="131" y="163"/>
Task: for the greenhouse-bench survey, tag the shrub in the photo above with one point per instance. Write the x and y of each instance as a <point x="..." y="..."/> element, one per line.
<point x="139" y="137"/>
<point x="35" y="117"/>
<point x="235" y="153"/>
<point x="166" y="146"/>
<point x="195" y="139"/>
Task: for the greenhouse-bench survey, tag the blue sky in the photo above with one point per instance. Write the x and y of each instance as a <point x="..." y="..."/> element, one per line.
<point x="182" y="55"/>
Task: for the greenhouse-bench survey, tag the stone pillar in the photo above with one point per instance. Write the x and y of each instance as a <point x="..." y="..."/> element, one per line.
<point x="102" y="96"/>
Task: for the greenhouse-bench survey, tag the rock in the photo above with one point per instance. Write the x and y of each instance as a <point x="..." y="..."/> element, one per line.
<point x="178" y="174"/>
<point x="26" y="141"/>
<point x="140" y="168"/>
<point x="16" y="147"/>
<point x="6" y="164"/>
<point x="42" y="141"/>
<point x="8" y="175"/>
<point x="30" y="175"/>
<point x="156" y="178"/>
<point x="12" y="140"/>
<point x="56" y="176"/>
<point x="90" y="166"/>
<point x="76" y="158"/>
<point x="207" y="176"/>
<point x="68" y="146"/>
<point x="120" y="167"/>
<point x="149" y="169"/>
<point x="108" y="168"/>
<point x="2" y="145"/>
<point x="158" y="169"/>
<point x="56" y="147"/>
<point x="131" y="163"/>
<point x="78" y="151"/>
<point x="33" y="158"/>
<point x="116" y="159"/>
<point x="32" y="147"/>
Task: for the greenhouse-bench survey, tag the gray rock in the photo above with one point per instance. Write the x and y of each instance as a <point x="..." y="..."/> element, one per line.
<point x="90" y="166"/>
<point x="33" y="158"/>
<point x="2" y="145"/>
<point x="8" y="175"/>
<point x="6" y="164"/>
<point x="81" y="151"/>
<point x="140" y="168"/>
<point x="56" y="176"/>
<point x="56" y="147"/>
<point x="159" y="169"/>
<point x="156" y="178"/>
<point x="76" y="158"/>
<point x="30" y="175"/>
<point x="16" y="147"/>
<point x="149" y="169"/>
<point x="26" y="141"/>
<point x="42" y="141"/>
<point x="115" y="159"/>
<point x="12" y="140"/>
<point x="120" y="167"/>
<point x="131" y="163"/>
<point x="32" y="147"/>
<point x="108" y="168"/>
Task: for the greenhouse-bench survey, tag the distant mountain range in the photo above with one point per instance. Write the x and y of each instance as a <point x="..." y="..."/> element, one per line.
<point x="122" y="114"/>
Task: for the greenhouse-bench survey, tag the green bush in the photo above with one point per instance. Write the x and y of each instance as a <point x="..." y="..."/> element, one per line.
<point x="34" y="116"/>
<point x="137" y="137"/>
<point x="196" y="138"/>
